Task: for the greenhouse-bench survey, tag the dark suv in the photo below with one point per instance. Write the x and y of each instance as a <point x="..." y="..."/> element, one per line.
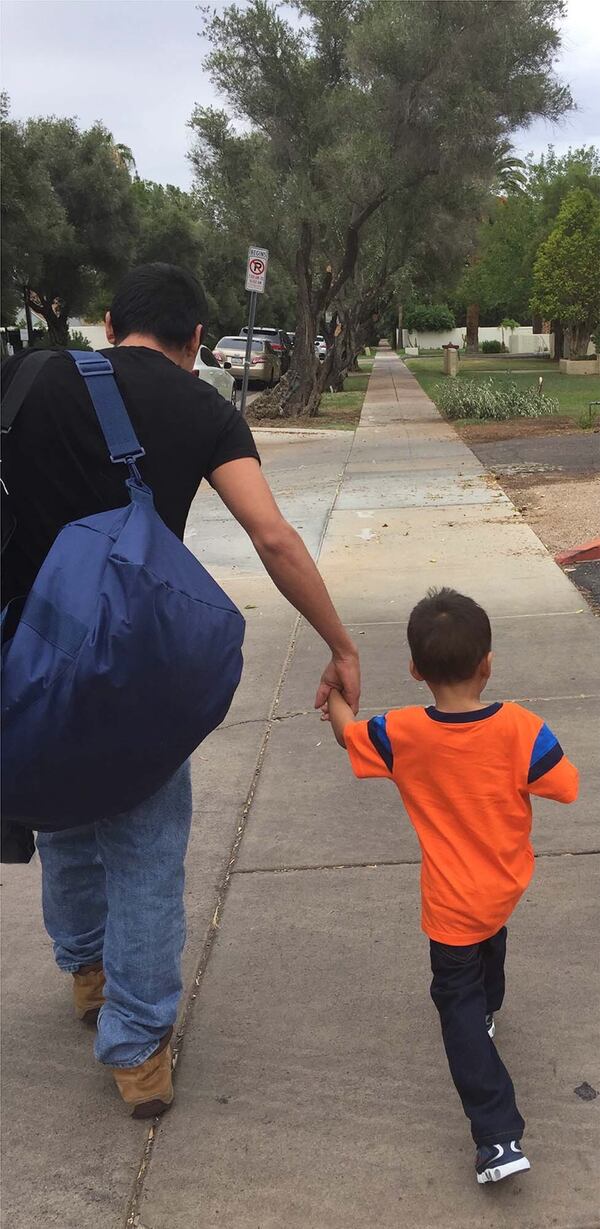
<point x="279" y="342"/>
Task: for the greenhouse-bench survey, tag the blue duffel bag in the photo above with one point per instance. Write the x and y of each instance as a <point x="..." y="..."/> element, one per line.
<point x="125" y="656"/>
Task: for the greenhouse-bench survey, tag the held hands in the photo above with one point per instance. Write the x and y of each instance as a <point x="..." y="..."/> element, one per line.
<point x="343" y="675"/>
<point x="339" y="713"/>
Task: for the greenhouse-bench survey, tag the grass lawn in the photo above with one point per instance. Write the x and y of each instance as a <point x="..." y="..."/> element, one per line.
<point x="337" y="411"/>
<point x="573" y="393"/>
<point x="342" y="410"/>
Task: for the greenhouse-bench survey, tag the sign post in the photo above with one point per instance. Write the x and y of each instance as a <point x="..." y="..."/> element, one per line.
<point x="256" y="280"/>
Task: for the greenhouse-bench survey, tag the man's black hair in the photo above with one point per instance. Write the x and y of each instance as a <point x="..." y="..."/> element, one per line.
<point x="160" y="300"/>
<point x="449" y="635"/>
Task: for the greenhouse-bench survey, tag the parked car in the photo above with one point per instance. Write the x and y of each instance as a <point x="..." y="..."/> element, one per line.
<point x="208" y="368"/>
<point x="320" y="347"/>
<point x="265" y="364"/>
<point x="279" y="342"/>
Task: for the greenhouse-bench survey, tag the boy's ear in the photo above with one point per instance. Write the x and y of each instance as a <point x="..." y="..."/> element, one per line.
<point x="486" y="666"/>
<point x="108" y="326"/>
<point x="415" y="673"/>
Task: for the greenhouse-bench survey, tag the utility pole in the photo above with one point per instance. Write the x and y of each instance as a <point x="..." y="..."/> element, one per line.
<point x="246" y="377"/>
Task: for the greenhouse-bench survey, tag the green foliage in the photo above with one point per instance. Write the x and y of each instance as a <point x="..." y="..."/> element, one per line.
<point x="357" y="108"/>
<point x="168" y="225"/>
<point x="566" y="271"/>
<point x="501" y="279"/>
<point x="490" y="401"/>
<point x="429" y="318"/>
<point x="30" y="215"/>
<point x="74" y="341"/>
<point x="69" y="215"/>
<point x="492" y="347"/>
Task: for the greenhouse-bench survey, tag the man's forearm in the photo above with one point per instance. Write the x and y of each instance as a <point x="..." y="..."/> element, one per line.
<point x="293" y="571"/>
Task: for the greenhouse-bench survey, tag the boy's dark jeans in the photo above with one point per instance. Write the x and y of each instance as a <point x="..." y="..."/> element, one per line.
<point x="468" y="984"/>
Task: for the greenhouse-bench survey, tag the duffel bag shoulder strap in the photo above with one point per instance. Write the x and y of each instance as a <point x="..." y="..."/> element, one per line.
<point x="121" y="439"/>
<point x="22" y="381"/>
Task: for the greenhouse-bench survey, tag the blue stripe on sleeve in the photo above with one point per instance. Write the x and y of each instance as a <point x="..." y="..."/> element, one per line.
<point x="380" y="740"/>
<point x="546" y="752"/>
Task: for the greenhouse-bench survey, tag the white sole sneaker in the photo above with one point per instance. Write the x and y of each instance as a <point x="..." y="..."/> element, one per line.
<point x="496" y="1173"/>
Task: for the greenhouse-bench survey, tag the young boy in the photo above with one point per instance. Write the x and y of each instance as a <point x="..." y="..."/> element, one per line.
<point x="465" y="771"/>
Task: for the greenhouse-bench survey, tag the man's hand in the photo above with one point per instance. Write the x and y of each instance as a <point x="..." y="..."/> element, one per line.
<point x="343" y="675"/>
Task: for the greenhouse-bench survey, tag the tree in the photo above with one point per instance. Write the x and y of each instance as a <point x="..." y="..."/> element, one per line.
<point x="501" y="279"/>
<point x="359" y="107"/>
<point x="84" y="216"/>
<point x="30" y="215"/>
<point x="168" y="227"/>
<point x="566" y="281"/>
<point x="429" y="317"/>
<point x="508" y="177"/>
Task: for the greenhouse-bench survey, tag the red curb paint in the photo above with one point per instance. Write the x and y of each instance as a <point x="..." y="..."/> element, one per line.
<point x="580" y="554"/>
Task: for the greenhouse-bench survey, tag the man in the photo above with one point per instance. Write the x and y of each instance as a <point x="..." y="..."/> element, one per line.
<point x="113" y="891"/>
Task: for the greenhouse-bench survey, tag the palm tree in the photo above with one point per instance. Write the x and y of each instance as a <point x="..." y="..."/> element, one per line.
<point x="509" y="179"/>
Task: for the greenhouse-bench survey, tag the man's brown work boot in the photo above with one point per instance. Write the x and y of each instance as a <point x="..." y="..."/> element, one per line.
<point x="148" y="1089"/>
<point x="88" y="992"/>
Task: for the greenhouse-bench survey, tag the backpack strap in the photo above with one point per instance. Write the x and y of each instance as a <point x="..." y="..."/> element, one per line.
<point x="21" y="383"/>
<point x="121" y="439"/>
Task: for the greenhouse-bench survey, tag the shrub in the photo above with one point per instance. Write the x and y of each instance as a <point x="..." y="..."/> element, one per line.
<point x="77" y="341"/>
<point x="493" y="347"/>
<point x="429" y="318"/>
<point x="486" y="399"/>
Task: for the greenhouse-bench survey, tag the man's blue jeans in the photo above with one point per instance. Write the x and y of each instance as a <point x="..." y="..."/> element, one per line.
<point x="113" y="891"/>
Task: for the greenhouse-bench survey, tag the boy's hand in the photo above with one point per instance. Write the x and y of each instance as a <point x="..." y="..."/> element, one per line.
<point x="339" y="714"/>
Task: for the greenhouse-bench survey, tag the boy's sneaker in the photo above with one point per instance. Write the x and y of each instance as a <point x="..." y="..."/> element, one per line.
<point x="490" y="1024"/>
<point x="496" y="1161"/>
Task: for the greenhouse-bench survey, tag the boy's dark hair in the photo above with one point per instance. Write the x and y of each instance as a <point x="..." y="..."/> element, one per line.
<point x="449" y="635"/>
<point x="160" y="300"/>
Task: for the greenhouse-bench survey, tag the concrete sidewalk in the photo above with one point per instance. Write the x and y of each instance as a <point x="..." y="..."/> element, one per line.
<point x="312" y="1088"/>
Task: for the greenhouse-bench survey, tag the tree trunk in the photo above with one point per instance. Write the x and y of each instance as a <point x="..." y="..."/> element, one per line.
<point x="473" y="328"/>
<point x="341" y="358"/>
<point x="559" y="339"/>
<point x="537" y="323"/>
<point x="298" y="393"/>
<point x="28" y="320"/>
<point x="55" y="314"/>
<point x="58" y="329"/>
<point x="579" y="340"/>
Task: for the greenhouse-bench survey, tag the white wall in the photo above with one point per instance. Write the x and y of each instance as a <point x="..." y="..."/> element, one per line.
<point x="94" y="333"/>
<point x="519" y="341"/>
<point x="531" y="343"/>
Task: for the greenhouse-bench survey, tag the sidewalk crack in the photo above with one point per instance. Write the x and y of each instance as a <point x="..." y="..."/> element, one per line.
<point x="132" y="1211"/>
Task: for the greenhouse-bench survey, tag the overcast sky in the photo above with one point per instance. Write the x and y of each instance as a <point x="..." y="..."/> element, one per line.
<point x="137" y="66"/>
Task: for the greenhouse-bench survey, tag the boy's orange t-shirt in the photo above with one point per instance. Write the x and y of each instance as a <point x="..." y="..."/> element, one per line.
<point x="465" y="780"/>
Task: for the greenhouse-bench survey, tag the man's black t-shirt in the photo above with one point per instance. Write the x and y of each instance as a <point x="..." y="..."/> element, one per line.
<point x="56" y="465"/>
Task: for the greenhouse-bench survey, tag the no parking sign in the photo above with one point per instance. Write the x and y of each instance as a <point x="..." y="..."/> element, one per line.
<point x="256" y="269"/>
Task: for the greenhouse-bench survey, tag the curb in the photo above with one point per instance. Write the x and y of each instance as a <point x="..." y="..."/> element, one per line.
<point x="303" y="432"/>
<point x="579" y="554"/>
